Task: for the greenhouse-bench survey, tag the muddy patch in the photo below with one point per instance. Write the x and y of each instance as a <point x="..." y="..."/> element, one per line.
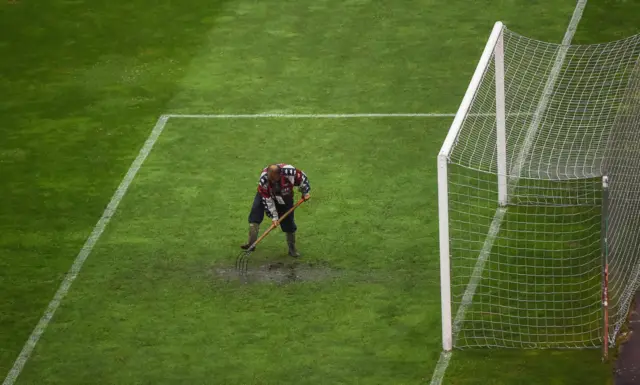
<point x="278" y="272"/>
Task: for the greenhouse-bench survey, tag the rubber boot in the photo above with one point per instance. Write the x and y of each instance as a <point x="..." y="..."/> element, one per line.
<point x="291" y="242"/>
<point x="254" y="228"/>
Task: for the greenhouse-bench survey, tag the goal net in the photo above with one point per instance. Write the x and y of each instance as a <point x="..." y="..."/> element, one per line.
<point x="527" y="226"/>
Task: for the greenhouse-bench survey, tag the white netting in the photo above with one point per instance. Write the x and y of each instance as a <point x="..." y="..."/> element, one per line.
<point x="622" y="166"/>
<point x="528" y="275"/>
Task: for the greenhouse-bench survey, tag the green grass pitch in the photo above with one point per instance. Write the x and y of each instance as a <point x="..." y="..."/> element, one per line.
<point x="83" y="83"/>
<point x="158" y="281"/>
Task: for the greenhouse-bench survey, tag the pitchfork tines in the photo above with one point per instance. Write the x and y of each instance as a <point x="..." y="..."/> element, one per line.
<point x="242" y="261"/>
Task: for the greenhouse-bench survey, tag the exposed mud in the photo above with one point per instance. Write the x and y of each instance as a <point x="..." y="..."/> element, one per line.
<point x="278" y="272"/>
<point x="627" y="371"/>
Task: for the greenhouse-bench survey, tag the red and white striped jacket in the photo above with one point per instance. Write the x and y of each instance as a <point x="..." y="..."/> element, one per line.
<point x="271" y="194"/>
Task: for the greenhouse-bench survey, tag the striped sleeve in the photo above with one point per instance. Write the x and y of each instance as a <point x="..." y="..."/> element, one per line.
<point x="296" y="177"/>
<point x="267" y="200"/>
<point x="302" y="181"/>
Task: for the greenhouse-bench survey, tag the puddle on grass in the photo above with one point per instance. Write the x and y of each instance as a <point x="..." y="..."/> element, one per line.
<point x="278" y="272"/>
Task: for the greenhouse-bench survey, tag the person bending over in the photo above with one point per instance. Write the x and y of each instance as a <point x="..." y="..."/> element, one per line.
<point x="275" y="197"/>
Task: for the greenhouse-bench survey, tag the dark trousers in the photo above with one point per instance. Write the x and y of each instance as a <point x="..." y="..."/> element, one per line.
<point x="288" y="225"/>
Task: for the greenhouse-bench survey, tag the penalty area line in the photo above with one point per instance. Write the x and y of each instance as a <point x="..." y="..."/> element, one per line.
<point x="40" y="328"/>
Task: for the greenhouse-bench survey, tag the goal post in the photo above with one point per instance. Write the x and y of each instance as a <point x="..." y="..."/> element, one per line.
<point x="501" y="120"/>
<point x="495" y="41"/>
<point x="621" y="168"/>
<point x="605" y="266"/>
<point x="539" y="196"/>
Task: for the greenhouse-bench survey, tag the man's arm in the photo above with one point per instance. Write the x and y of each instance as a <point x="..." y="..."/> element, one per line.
<point x="298" y="178"/>
<point x="302" y="181"/>
<point x="267" y="201"/>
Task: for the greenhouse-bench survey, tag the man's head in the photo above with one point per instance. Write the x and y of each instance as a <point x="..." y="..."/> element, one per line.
<point x="273" y="172"/>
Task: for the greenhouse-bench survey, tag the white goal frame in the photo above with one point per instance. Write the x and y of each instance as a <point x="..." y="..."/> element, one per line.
<point x="494" y="47"/>
<point x="603" y="122"/>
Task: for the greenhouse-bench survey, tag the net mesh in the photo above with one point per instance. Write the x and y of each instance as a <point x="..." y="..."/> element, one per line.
<point x="528" y="275"/>
<point x="622" y="166"/>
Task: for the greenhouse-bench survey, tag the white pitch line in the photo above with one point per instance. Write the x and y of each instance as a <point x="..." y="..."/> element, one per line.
<point x="441" y="368"/>
<point x="547" y="92"/>
<point x="476" y="275"/>
<point x="309" y="116"/>
<point x="30" y="345"/>
<point x="467" y="297"/>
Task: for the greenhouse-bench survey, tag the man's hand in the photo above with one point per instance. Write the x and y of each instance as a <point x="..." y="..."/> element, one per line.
<point x="306" y="197"/>
<point x="274" y="222"/>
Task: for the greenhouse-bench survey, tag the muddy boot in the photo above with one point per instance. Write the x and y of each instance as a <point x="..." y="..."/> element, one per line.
<point x="254" y="228"/>
<point x="291" y="242"/>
